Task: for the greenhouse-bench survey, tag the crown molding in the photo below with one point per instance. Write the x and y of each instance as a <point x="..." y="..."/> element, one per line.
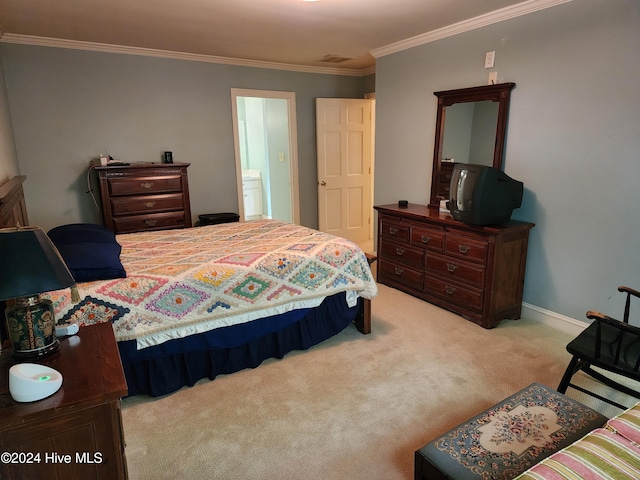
<point x="506" y="13"/>
<point x="368" y="71"/>
<point x="501" y="15"/>
<point x="150" y="52"/>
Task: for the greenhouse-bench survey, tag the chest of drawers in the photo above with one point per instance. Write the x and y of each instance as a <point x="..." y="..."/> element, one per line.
<point x="446" y="170"/>
<point x="477" y="272"/>
<point x="144" y="196"/>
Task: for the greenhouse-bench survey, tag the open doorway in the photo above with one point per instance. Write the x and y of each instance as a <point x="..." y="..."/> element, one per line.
<point x="266" y="154"/>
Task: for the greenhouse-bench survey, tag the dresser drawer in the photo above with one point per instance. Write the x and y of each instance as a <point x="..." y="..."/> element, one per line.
<point x="401" y="273"/>
<point x="155" y="221"/>
<point x="145" y="185"/>
<point x="394" y="230"/>
<point x="467" y="248"/>
<point x="429" y="238"/>
<point x="450" y="267"/>
<point x="466" y="297"/>
<point x="444" y="179"/>
<point x="444" y="188"/>
<point x="397" y="252"/>
<point x="146" y="204"/>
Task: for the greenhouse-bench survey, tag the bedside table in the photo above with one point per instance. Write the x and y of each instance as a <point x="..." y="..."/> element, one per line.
<point x="77" y="432"/>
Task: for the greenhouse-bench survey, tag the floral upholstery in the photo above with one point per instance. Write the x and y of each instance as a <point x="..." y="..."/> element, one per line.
<point x="508" y="438"/>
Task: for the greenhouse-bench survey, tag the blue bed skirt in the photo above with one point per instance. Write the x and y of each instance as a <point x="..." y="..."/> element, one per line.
<point x="167" y="367"/>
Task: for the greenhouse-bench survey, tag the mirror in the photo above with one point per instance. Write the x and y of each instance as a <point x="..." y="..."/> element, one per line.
<point x="470" y="128"/>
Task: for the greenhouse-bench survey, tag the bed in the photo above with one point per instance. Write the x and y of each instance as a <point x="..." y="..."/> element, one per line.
<point x="199" y="302"/>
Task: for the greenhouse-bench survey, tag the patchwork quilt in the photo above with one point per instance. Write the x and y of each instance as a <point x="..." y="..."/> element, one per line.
<point x="182" y="282"/>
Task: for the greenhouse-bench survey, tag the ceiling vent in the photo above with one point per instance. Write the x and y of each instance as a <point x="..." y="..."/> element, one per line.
<point x="331" y="58"/>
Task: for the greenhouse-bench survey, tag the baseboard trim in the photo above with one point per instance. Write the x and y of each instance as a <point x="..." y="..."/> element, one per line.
<point x="553" y="319"/>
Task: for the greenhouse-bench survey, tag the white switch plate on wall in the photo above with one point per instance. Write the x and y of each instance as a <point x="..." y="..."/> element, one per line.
<point x="489" y="59"/>
<point x="493" y="78"/>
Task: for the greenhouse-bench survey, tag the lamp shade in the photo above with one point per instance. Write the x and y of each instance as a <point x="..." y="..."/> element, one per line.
<point x="30" y="264"/>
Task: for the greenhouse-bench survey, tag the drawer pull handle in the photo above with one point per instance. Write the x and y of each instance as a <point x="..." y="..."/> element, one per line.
<point x="393" y="230"/>
<point x="450" y="290"/>
<point x="146" y="184"/>
<point x="451" y="267"/>
<point x="425" y="239"/>
<point x="151" y="223"/>
<point x="464" y="249"/>
<point x="399" y="271"/>
<point x="399" y="251"/>
<point x="149" y="204"/>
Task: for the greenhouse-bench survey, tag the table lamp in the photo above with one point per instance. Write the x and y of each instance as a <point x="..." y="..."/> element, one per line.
<point x="29" y="265"/>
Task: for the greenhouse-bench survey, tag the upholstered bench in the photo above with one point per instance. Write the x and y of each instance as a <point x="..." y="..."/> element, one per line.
<point x="507" y="439"/>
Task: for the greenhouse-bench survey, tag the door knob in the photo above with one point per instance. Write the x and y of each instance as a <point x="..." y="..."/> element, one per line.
<point x="323" y="183"/>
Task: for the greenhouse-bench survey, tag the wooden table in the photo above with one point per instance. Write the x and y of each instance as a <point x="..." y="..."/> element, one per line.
<point x="77" y="432"/>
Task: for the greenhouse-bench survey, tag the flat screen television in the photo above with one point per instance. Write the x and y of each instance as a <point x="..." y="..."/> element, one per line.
<point x="482" y="195"/>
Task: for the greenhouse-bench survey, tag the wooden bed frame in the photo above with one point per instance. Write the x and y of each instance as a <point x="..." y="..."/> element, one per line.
<point x="13" y="213"/>
<point x="13" y="209"/>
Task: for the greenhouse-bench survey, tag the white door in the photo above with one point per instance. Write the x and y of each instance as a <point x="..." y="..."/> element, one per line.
<point x="343" y="130"/>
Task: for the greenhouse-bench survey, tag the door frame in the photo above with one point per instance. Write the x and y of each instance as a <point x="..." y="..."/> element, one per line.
<point x="372" y="96"/>
<point x="290" y="97"/>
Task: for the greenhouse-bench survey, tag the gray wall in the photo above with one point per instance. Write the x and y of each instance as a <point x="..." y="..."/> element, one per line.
<point x="573" y="139"/>
<point x="68" y="106"/>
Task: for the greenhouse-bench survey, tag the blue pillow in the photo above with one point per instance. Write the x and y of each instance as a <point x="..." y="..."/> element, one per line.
<point x="81" y="233"/>
<point x="90" y="251"/>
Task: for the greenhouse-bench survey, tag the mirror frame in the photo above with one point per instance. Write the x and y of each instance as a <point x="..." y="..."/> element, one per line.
<point x="500" y="93"/>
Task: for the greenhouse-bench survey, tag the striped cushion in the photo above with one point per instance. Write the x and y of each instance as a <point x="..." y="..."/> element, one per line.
<point x="601" y="454"/>
<point x="627" y="424"/>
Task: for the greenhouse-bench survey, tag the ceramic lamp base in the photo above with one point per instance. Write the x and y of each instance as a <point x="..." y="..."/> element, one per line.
<point x="31" y="328"/>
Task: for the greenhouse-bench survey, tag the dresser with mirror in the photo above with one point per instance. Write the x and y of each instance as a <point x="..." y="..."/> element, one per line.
<point x="475" y="271"/>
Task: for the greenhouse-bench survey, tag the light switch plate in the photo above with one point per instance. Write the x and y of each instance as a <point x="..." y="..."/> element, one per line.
<point x="489" y="59"/>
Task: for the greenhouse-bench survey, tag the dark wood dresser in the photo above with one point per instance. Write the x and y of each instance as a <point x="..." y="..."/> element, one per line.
<point x="77" y="432"/>
<point x="477" y="272"/>
<point x="144" y="196"/>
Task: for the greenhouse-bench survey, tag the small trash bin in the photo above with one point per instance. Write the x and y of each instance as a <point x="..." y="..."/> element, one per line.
<point x="216" y="218"/>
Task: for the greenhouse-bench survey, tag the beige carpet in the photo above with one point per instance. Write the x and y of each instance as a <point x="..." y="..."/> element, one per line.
<point x="354" y="407"/>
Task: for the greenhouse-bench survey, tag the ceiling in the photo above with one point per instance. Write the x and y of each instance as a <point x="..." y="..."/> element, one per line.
<point x="291" y="32"/>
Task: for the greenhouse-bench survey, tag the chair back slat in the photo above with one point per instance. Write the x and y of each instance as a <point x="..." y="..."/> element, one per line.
<point x="626" y="337"/>
<point x="627" y="305"/>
